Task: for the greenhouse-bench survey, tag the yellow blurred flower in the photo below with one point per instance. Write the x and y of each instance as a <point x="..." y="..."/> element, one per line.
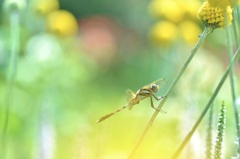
<point x="170" y="9"/>
<point x="191" y="8"/>
<point x="220" y="3"/>
<point x="214" y="16"/>
<point x="163" y="33"/>
<point x="62" y="22"/>
<point x="44" y="7"/>
<point x="174" y="12"/>
<point x="189" y="31"/>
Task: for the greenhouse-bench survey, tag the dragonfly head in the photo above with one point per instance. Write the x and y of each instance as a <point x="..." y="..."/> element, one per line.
<point x="154" y="87"/>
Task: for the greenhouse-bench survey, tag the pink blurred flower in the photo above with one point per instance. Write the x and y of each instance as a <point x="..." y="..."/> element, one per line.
<point x="98" y="38"/>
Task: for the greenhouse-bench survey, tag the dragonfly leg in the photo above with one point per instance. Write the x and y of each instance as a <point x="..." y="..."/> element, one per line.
<point x="157" y="98"/>
<point x="162" y="111"/>
<point x="153" y="105"/>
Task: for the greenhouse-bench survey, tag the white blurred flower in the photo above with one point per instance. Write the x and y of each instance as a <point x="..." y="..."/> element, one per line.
<point x="14" y="5"/>
<point x="44" y="49"/>
<point x="43" y="54"/>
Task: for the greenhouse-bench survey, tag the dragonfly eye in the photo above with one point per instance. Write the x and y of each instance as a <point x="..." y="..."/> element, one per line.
<point x="154" y="87"/>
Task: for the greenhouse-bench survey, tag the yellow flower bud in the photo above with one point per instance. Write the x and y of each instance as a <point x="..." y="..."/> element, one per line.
<point x="214" y="16"/>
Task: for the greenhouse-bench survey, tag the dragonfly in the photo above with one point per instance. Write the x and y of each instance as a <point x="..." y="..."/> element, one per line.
<point x="147" y="91"/>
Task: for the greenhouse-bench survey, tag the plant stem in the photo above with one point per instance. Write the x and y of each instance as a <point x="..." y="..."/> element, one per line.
<point x="189" y="135"/>
<point x="233" y="85"/>
<point x="235" y="27"/>
<point x="14" y="50"/>
<point x="176" y="79"/>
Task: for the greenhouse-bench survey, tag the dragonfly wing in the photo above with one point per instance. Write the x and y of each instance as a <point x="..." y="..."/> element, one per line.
<point x="159" y="82"/>
<point x="130" y="95"/>
<point x="131" y="99"/>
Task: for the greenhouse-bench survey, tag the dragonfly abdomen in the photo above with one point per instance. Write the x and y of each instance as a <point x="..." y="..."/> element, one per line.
<point x="113" y="113"/>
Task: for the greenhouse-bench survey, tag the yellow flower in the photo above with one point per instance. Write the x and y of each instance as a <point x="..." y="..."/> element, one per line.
<point x="44" y="7"/>
<point x="214" y="16"/>
<point x="189" y="31"/>
<point x="163" y="33"/>
<point x="170" y="9"/>
<point x="62" y="22"/>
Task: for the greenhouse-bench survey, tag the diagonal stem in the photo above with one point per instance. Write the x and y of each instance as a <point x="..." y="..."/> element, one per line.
<point x="189" y="135"/>
<point x="232" y="83"/>
<point x="176" y="79"/>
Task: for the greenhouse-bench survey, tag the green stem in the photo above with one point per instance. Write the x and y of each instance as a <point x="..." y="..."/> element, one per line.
<point x="14" y="50"/>
<point x="189" y="135"/>
<point x="176" y="79"/>
<point x="232" y="83"/>
<point x="235" y="27"/>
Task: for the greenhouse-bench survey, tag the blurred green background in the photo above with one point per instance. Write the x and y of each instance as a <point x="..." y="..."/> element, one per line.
<point x="77" y="59"/>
